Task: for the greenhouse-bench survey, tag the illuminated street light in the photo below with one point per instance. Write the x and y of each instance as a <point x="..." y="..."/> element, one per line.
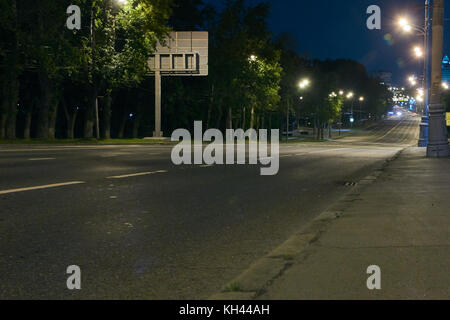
<point x="350" y="95"/>
<point x="445" y="85"/>
<point x="361" y="99"/>
<point x="418" y="52"/>
<point x="253" y="57"/>
<point x="412" y="80"/>
<point x="304" y="83"/>
<point x="405" y="25"/>
<point x="333" y="95"/>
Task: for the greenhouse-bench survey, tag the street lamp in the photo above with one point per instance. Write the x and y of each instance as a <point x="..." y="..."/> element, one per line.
<point x="350" y="96"/>
<point x="304" y="84"/>
<point x="361" y="100"/>
<point x="412" y="80"/>
<point x="404" y="24"/>
<point x="418" y="52"/>
<point x="93" y="48"/>
<point x="408" y="27"/>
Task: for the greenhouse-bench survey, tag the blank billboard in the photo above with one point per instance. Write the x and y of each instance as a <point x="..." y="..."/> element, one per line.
<point x="185" y="53"/>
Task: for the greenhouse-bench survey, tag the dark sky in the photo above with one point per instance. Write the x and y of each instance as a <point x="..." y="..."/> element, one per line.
<point x="337" y="29"/>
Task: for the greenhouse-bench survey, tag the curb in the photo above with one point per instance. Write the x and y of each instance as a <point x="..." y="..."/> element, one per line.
<point x="253" y="282"/>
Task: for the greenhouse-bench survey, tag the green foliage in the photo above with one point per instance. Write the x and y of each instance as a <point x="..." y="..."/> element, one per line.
<point x="252" y="78"/>
<point x="245" y="68"/>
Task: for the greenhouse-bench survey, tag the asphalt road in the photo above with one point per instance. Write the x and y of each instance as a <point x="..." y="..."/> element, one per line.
<point x="171" y="232"/>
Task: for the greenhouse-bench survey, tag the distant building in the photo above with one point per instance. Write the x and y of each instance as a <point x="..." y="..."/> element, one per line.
<point x="446" y="69"/>
<point x="384" y="76"/>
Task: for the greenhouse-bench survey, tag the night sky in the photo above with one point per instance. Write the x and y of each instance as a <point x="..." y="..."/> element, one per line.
<point x="337" y="29"/>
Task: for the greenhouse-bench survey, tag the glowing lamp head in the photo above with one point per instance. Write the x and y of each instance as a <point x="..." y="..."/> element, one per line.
<point x="304" y="83"/>
<point x="403" y="22"/>
<point x="418" y="52"/>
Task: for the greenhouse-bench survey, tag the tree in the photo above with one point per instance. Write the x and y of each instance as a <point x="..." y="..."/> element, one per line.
<point x="10" y="67"/>
<point x="245" y="70"/>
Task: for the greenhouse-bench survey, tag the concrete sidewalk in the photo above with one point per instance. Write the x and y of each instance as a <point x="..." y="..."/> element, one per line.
<point x="397" y="219"/>
<point x="400" y="222"/>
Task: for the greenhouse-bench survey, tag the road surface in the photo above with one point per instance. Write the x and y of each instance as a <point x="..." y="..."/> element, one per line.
<point x="140" y="227"/>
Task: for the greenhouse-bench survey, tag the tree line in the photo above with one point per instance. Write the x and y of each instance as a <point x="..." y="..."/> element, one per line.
<point x="53" y="80"/>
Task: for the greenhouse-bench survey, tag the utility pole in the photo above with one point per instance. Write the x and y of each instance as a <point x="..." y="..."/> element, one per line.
<point x="438" y="141"/>
<point x="158" y="133"/>
<point x="423" y="138"/>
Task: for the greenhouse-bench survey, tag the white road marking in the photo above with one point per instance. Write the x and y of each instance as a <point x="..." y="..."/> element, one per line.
<point x="137" y="174"/>
<point x="41" y="187"/>
<point x="41" y="159"/>
<point x="323" y="151"/>
<point x="387" y="133"/>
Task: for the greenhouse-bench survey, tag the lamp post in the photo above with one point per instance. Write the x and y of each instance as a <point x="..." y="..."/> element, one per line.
<point x="407" y="27"/>
<point x="352" y="118"/>
<point x="361" y="100"/>
<point x="93" y="47"/>
<point x="438" y="141"/>
<point x="302" y="85"/>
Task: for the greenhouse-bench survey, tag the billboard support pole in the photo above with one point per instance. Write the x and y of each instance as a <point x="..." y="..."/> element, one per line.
<point x="157" y="133"/>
